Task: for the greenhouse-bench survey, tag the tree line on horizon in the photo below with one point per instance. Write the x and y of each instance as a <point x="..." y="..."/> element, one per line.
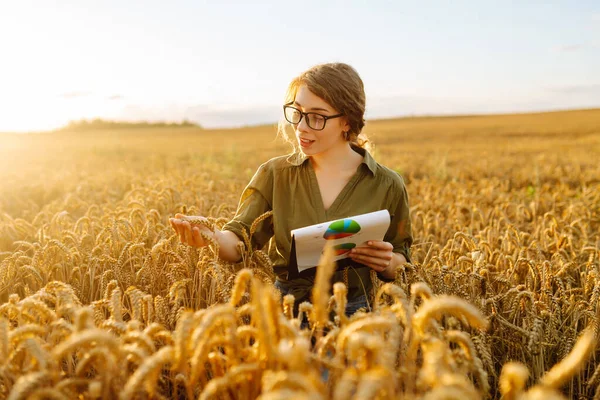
<point x="100" y="124"/>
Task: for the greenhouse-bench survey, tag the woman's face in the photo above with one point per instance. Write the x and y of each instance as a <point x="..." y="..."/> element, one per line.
<point x="316" y="141"/>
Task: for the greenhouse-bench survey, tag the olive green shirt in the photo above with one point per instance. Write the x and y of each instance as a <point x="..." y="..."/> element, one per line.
<point x="288" y="186"/>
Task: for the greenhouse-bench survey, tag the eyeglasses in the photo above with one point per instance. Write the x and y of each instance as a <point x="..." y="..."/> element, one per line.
<point x="315" y="121"/>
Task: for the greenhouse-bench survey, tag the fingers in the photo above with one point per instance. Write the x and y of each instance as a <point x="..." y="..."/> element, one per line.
<point x="366" y="251"/>
<point x="176" y="225"/>
<point x="377" y="255"/>
<point x="376" y="267"/>
<point x="182" y="229"/>
<point x="381" y="245"/>
<point x="376" y="263"/>
<point x="188" y="234"/>
<point x="358" y="252"/>
<point x="197" y="239"/>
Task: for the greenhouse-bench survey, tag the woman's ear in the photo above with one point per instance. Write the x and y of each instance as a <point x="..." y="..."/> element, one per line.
<point x="345" y="125"/>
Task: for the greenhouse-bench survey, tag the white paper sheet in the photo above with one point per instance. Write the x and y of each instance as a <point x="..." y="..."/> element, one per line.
<point x="343" y="234"/>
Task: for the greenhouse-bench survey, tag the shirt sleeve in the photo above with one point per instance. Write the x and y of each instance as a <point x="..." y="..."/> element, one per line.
<point x="256" y="200"/>
<point x="399" y="233"/>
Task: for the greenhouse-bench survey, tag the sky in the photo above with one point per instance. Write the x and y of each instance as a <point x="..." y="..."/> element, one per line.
<point x="228" y="63"/>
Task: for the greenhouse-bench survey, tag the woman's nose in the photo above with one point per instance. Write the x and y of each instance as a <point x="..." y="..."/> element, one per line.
<point x="303" y="125"/>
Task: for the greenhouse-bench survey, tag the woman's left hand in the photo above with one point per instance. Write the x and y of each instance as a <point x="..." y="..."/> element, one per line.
<point x="377" y="255"/>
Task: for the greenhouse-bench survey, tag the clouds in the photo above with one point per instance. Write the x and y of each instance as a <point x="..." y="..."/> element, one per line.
<point x="236" y="116"/>
<point x="577" y="47"/>
<point x="591" y="89"/>
<point x="80" y="94"/>
<point x="74" y="95"/>
<point x="569" y="48"/>
<point x="209" y="116"/>
<point x="592" y="30"/>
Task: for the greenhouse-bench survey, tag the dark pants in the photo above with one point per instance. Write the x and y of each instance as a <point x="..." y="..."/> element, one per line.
<point x="351" y="306"/>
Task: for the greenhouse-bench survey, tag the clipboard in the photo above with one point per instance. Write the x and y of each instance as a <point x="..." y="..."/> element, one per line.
<point x="344" y="234"/>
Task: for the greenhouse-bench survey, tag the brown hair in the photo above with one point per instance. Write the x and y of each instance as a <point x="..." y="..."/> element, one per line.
<point x="341" y="87"/>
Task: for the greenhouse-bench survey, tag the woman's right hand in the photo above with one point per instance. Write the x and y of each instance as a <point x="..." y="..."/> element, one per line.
<point x="190" y="234"/>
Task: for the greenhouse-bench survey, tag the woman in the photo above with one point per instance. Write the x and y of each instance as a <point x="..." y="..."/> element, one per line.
<point x="331" y="176"/>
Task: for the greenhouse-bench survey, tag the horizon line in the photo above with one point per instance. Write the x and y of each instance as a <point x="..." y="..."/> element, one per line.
<point x="199" y="125"/>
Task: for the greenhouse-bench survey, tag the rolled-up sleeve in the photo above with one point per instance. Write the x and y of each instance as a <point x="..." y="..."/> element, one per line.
<point x="256" y="200"/>
<point x="399" y="233"/>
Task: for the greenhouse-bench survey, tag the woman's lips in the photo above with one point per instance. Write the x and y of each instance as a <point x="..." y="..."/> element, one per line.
<point x="305" y="143"/>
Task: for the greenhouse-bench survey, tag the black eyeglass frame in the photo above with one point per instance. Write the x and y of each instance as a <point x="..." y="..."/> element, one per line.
<point x="305" y="114"/>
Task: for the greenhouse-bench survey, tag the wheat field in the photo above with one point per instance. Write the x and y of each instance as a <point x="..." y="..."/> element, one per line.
<point x="99" y="299"/>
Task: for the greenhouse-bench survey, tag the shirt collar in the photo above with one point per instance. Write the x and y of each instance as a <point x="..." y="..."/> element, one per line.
<point x="298" y="158"/>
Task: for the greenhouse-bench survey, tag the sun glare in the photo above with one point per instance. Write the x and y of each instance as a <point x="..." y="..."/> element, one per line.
<point x="30" y="119"/>
<point x="52" y="112"/>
